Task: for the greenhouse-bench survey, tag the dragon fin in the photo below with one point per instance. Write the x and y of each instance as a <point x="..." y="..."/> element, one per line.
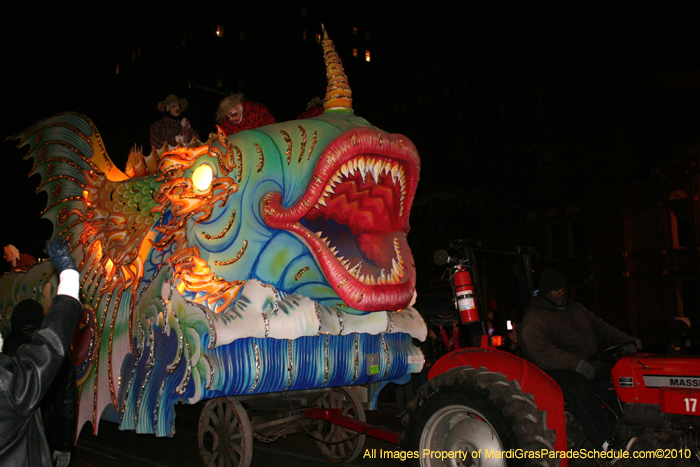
<point x="63" y="148"/>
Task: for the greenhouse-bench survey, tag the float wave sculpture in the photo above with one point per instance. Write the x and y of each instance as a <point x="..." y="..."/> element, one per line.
<point x="274" y="259"/>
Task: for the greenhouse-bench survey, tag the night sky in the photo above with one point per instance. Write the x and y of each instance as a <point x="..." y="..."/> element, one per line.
<point x="57" y="58"/>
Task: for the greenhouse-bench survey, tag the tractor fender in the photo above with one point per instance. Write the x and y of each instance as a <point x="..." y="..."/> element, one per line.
<point x="548" y="395"/>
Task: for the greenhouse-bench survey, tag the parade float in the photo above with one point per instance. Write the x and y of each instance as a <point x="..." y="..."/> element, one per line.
<point x="272" y="262"/>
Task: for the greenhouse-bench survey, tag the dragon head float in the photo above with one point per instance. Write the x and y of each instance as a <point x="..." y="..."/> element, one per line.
<point x="281" y="244"/>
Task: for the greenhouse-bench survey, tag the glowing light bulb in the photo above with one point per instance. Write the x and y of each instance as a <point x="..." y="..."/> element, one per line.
<point x="202" y="177"/>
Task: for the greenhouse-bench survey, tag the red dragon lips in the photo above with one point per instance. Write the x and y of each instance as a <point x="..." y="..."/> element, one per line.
<point x="354" y="217"/>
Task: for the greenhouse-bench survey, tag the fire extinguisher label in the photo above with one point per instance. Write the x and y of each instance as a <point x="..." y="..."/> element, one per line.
<point x="465" y="302"/>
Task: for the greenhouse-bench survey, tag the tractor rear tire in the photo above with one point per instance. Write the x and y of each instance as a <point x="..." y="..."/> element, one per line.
<point x="478" y="412"/>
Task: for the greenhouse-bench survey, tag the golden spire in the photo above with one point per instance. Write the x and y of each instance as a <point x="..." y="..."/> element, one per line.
<point x="338" y="92"/>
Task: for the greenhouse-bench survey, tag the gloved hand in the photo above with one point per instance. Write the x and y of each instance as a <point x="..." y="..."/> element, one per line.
<point x="632" y="348"/>
<point x="586" y="369"/>
<point x="61" y="459"/>
<point x="60" y="255"/>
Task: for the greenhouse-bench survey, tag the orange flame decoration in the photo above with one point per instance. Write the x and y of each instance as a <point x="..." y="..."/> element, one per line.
<point x="176" y="194"/>
<point x="121" y="219"/>
<point x="192" y="273"/>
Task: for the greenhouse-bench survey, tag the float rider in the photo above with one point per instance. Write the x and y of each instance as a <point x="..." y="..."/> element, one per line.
<point x="18" y="261"/>
<point x="235" y="113"/>
<point x="173" y="129"/>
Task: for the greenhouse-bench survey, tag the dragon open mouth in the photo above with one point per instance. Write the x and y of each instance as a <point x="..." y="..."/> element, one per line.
<point x="354" y="217"/>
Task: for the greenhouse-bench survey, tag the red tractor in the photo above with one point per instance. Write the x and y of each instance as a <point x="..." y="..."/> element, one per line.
<point x="487" y="407"/>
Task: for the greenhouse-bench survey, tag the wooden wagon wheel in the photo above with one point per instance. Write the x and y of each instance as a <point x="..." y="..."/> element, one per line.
<point x="225" y="435"/>
<point x="342" y="444"/>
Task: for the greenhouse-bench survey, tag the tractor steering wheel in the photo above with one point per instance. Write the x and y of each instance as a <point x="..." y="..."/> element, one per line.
<point x="613" y="353"/>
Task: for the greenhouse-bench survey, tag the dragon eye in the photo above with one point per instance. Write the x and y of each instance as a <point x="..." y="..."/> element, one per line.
<point x="202" y="177"/>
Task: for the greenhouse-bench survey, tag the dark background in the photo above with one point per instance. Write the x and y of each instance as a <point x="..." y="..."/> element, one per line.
<point x="63" y="56"/>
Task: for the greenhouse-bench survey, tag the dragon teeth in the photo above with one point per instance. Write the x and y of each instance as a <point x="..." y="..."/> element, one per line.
<point x="396" y="268"/>
<point x="394" y="174"/>
<point x="385" y="168"/>
<point x="376" y="168"/>
<point x="361" y="164"/>
<point x="375" y="174"/>
<point x="355" y="271"/>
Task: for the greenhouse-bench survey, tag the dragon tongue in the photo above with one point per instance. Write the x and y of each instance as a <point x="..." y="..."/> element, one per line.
<point x="377" y="248"/>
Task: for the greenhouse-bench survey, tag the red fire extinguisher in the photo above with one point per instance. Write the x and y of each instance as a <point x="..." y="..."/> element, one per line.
<point x="464" y="291"/>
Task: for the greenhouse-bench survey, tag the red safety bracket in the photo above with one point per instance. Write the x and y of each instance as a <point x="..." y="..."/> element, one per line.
<point x="334" y="416"/>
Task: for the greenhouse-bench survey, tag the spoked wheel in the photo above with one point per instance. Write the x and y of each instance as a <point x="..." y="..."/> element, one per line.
<point x="341" y="444"/>
<point x="225" y="435"/>
<point x="479" y="413"/>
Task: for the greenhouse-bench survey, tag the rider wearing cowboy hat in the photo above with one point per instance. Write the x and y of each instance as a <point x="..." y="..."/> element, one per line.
<point x="173" y="128"/>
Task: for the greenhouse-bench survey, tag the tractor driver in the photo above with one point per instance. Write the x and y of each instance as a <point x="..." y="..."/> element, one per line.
<point x="559" y="336"/>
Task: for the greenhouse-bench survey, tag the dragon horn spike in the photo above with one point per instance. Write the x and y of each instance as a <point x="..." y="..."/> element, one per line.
<point x="338" y="92"/>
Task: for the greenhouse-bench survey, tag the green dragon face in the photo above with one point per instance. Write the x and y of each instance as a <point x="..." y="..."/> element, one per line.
<point x="317" y="207"/>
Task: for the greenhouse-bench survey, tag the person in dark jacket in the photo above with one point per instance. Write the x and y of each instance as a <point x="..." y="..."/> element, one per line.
<point x="559" y="336"/>
<point x="58" y="409"/>
<point x="26" y="377"/>
<point x="26" y="318"/>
